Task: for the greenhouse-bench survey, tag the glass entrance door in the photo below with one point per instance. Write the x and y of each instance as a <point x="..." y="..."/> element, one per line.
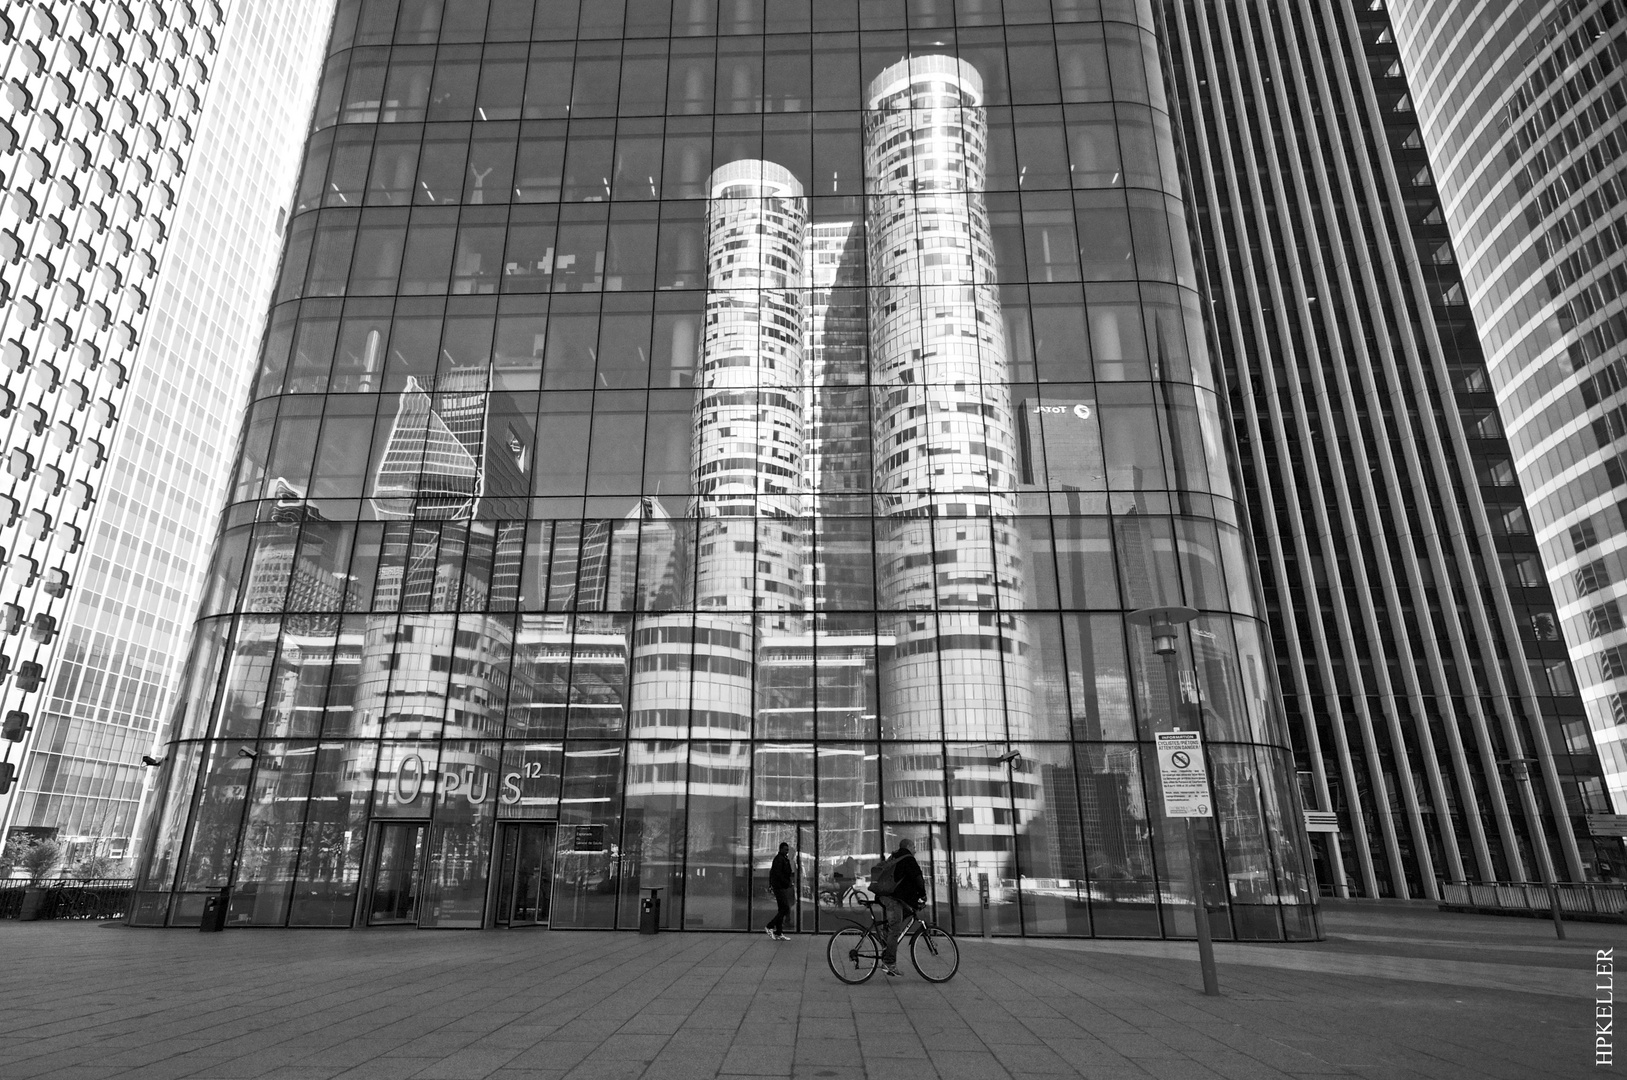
<point x="766" y="839"/>
<point x="527" y="878"/>
<point x="397" y="874"/>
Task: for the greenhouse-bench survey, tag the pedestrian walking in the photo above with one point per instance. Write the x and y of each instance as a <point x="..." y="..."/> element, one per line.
<point x="782" y="879"/>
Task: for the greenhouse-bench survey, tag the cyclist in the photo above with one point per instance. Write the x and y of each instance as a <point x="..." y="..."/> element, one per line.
<point x="901" y="889"/>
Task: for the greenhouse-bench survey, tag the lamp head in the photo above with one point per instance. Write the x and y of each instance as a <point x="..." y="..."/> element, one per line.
<point x="1163" y="638"/>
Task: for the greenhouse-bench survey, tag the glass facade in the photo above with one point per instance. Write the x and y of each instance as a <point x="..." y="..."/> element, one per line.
<point x="1534" y="199"/>
<point x="684" y="427"/>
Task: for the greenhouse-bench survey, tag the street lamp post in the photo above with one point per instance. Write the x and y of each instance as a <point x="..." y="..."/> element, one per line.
<point x="1163" y="621"/>
<point x="1520" y="768"/>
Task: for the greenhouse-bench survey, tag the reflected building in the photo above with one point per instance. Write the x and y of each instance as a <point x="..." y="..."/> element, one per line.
<point x="690" y="500"/>
<point x="943" y="435"/>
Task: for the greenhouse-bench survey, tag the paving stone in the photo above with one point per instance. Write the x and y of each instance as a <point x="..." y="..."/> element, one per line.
<point x="1393" y="994"/>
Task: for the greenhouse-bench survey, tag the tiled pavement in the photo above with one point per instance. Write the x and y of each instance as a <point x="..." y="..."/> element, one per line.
<point x="1393" y="994"/>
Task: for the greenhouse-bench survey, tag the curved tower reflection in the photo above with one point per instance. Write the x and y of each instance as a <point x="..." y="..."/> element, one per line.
<point x="944" y="439"/>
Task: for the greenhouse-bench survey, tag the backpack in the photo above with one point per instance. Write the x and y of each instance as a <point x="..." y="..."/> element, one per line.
<point x="884" y="878"/>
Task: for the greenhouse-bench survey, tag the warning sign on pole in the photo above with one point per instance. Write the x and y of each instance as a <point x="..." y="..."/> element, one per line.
<point x="1185" y="780"/>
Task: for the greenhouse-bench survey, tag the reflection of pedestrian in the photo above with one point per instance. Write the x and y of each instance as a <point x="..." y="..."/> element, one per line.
<point x="780" y="879"/>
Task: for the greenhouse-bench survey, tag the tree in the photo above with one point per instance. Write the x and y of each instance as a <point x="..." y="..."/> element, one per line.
<point x="12" y="854"/>
<point x="96" y="866"/>
<point x="40" y="859"/>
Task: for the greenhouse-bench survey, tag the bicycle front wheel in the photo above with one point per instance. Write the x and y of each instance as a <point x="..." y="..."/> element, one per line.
<point x="935" y="955"/>
<point x="853" y="955"/>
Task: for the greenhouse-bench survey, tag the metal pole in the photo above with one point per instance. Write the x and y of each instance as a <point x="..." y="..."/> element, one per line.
<point x="1528" y="799"/>
<point x="1200" y="910"/>
<point x="1206" y="946"/>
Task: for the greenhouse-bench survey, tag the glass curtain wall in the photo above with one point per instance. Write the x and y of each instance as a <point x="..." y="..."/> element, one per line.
<point x="667" y="444"/>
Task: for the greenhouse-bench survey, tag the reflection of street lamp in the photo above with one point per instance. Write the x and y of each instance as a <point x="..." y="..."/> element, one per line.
<point x="1162" y="621"/>
<point x="1520" y="769"/>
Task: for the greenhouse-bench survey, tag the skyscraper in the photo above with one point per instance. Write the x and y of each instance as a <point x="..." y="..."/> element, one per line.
<point x="763" y="288"/>
<point x="1417" y="643"/>
<point x="1521" y="109"/>
<point x="150" y="224"/>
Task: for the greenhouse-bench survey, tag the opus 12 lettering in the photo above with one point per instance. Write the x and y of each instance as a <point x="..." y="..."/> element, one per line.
<point x="413" y="781"/>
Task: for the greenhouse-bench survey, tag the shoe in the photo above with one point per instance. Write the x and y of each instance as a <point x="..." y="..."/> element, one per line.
<point x="769" y="930"/>
<point x="890" y="970"/>
<point x="782" y="937"/>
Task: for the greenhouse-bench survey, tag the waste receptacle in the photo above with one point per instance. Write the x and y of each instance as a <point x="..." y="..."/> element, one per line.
<point x="649" y="913"/>
<point x="214" y="911"/>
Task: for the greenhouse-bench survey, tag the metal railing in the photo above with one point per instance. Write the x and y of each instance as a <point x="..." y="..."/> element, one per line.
<point x="69" y="898"/>
<point x="1584" y="898"/>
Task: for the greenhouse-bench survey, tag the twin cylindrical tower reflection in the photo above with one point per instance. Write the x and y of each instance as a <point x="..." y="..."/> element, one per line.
<point x="850" y="372"/>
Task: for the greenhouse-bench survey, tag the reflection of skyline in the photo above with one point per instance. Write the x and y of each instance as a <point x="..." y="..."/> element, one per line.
<point x="850" y="567"/>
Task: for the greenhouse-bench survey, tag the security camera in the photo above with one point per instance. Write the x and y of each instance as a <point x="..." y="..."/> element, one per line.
<point x="148" y="759"/>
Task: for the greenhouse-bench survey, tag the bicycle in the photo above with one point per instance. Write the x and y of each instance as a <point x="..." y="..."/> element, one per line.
<point x="932" y="949"/>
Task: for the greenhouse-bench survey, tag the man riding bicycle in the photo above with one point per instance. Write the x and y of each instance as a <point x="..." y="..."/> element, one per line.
<point x="901" y="889"/>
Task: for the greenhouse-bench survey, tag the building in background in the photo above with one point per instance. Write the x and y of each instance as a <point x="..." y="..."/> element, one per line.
<point x="1436" y="715"/>
<point x="154" y="149"/>
<point x="1523" y="111"/>
<point x="751" y="295"/>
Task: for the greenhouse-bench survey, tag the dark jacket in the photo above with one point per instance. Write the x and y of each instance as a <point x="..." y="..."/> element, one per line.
<point x="910" y="887"/>
<point x="780" y="875"/>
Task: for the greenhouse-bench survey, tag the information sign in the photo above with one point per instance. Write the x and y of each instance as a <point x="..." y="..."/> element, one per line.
<point x="1597" y="824"/>
<point x="1185" y="780"/>
<point x="588" y="838"/>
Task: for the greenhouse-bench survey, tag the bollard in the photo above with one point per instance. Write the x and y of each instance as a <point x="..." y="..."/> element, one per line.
<point x="983" y="901"/>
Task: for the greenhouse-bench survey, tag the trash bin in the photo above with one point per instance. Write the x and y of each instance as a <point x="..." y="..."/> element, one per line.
<point x="649" y="913"/>
<point x="214" y="911"/>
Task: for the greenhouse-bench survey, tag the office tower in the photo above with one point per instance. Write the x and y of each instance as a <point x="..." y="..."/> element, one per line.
<point x="1521" y="108"/>
<point x="757" y="290"/>
<point x="1417" y="644"/>
<point x="142" y="228"/>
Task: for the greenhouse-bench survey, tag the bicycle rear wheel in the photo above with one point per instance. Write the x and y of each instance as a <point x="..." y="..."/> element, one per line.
<point x="849" y="960"/>
<point x="935" y="955"/>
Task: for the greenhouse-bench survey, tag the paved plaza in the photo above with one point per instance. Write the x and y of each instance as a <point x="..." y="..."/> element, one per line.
<point x="1393" y="994"/>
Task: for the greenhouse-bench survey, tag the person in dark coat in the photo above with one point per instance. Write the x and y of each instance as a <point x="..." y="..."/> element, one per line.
<point x="907" y="894"/>
<point x="782" y="879"/>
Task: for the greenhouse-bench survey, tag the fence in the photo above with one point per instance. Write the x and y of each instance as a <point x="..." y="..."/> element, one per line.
<point x="1589" y="900"/>
<point x="97" y="898"/>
